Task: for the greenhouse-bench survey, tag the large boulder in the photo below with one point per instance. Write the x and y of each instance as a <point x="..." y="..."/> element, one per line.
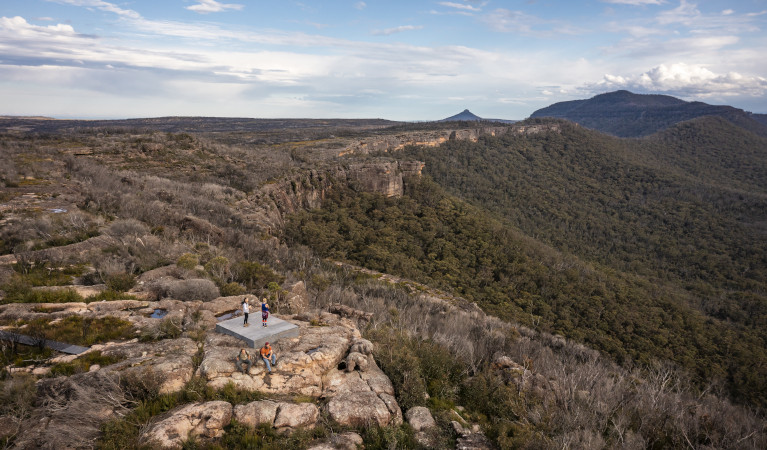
<point x="297" y="299"/>
<point x="294" y="415"/>
<point x="196" y="419"/>
<point x="420" y="418"/>
<point x="256" y="413"/>
<point x="359" y="409"/>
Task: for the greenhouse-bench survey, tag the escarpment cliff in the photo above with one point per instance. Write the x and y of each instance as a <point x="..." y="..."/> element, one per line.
<point x="306" y="190"/>
<point x="390" y="143"/>
<point x="434" y="138"/>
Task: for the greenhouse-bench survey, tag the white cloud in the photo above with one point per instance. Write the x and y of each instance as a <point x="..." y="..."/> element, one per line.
<point x="636" y="31"/>
<point x="727" y="12"/>
<point x="461" y="6"/>
<point x="360" y="5"/>
<point x="635" y="2"/>
<point x="211" y="6"/>
<point x="687" y="80"/>
<point x="101" y="5"/>
<point x="508" y="21"/>
<point x="399" y="29"/>
<point x="685" y="14"/>
<point x="17" y="27"/>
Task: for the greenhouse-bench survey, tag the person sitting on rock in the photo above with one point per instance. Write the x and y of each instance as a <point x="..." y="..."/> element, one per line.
<point x="268" y="355"/>
<point x="264" y="312"/>
<point x="243" y="358"/>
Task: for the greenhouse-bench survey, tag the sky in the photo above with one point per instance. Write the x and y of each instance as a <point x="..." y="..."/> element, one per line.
<point x="391" y="59"/>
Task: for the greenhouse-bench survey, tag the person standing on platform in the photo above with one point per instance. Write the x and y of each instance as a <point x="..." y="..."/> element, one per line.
<point x="264" y="312"/>
<point x="245" y="311"/>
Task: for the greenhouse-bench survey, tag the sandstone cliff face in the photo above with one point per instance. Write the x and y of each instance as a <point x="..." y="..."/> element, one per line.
<point x="268" y="207"/>
<point x="422" y="138"/>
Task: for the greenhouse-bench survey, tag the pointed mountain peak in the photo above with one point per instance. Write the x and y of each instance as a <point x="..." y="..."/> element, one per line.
<point x="464" y="115"/>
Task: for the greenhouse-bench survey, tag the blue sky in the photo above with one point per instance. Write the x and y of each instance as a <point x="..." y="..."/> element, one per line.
<point x="399" y="60"/>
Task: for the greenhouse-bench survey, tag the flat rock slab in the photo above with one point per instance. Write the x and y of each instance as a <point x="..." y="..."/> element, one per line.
<point x="255" y="335"/>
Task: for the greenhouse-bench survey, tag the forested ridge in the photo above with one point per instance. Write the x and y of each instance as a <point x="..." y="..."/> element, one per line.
<point x="640" y="248"/>
<point x="625" y="114"/>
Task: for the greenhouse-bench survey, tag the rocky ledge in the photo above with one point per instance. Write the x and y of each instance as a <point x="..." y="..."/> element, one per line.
<point x="327" y="371"/>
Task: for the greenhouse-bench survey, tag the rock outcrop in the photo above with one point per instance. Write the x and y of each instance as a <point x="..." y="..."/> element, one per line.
<point x="329" y="362"/>
<point x="422" y="422"/>
<point x="195" y="419"/>
<point x="309" y="365"/>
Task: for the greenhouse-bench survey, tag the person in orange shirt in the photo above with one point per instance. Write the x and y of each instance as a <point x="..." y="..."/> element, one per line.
<point x="267" y="354"/>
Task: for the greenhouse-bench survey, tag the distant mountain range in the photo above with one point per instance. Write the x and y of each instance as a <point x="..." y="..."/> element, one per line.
<point x="625" y="114"/>
<point x="468" y="116"/>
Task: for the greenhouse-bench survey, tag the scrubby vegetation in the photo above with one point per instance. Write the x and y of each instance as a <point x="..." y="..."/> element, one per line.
<point x="76" y="329"/>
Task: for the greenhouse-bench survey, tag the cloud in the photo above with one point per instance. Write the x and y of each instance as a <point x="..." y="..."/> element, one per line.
<point x="635" y="2"/>
<point x="360" y="5"/>
<point x="460" y="6"/>
<point x="685" y="14"/>
<point x="211" y="6"/>
<point x="17" y="27"/>
<point x="636" y="31"/>
<point x="508" y="21"/>
<point x="399" y="29"/>
<point x="687" y="80"/>
<point x="101" y="5"/>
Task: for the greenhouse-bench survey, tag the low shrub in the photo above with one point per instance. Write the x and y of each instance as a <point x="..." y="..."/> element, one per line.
<point x="165" y="329"/>
<point x="78" y="330"/>
<point x="233" y="288"/>
<point x="82" y="364"/>
<point x="188" y="261"/>
<point x="17" y="397"/>
<point x="399" y="437"/>
<point x="254" y="275"/>
<point x="194" y="289"/>
<point x="41" y="275"/>
<point x="417" y="368"/>
<point x="19" y="291"/>
<point x="120" y="282"/>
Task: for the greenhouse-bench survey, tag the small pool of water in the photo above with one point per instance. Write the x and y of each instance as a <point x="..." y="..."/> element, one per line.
<point x="159" y="313"/>
<point x="58" y="210"/>
<point x="309" y="352"/>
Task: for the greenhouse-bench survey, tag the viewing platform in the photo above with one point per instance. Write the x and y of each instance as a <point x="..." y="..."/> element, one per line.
<point x="255" y="335"/>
